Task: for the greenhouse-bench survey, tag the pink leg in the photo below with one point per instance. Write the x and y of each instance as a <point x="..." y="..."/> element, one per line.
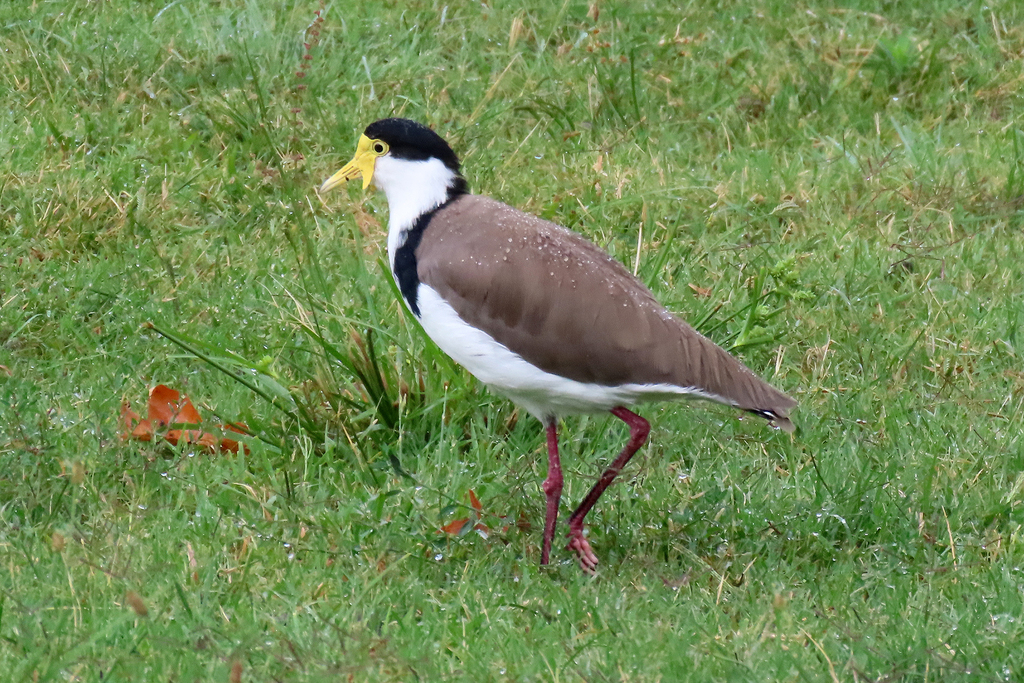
<point x="552" y="489"/>
<point x="639" y="428"/>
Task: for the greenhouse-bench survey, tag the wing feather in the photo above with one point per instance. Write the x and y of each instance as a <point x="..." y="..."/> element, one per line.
<point x="564" y="305"/>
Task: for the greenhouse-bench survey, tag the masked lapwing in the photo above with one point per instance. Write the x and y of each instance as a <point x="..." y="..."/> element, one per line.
<point x="537" y="312"/>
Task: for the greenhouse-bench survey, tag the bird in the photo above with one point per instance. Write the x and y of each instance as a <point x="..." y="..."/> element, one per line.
<point x="537" y="312"/>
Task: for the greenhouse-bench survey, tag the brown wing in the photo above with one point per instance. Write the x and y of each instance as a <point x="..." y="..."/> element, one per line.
<point x="567" y="307"/>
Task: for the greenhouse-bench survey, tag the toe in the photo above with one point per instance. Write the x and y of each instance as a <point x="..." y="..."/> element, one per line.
<point x="586" y="555"/>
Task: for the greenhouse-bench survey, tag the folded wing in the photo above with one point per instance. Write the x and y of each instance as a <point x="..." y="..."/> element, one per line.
<point x="565" y="306"/>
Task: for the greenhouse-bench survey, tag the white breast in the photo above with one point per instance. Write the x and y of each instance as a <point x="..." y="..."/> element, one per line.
<point x="412" y="189"/>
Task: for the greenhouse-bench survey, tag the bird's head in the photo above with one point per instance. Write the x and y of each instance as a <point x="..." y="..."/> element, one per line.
<point x="397" y="154"/>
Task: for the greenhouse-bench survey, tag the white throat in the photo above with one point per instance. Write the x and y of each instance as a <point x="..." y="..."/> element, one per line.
<point x="412" y="188"/>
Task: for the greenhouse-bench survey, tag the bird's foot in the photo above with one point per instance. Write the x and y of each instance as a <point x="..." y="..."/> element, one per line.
<point x="579" y="545"/>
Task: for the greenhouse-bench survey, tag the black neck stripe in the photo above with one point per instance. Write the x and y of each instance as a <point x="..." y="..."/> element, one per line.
<point x="404" y="266"/>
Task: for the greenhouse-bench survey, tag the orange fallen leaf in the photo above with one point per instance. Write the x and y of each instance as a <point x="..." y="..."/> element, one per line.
<point x="169" y="407"/>
<point x="456" y="527"/>
<point x="134" y="427"/>
<point x="230" y="444"/>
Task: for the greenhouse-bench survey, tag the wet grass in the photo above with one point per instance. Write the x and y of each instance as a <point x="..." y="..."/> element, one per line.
<point x="835" y="193"/>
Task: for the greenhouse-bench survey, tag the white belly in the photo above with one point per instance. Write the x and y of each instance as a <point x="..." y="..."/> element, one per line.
<point x="543" y="394"/>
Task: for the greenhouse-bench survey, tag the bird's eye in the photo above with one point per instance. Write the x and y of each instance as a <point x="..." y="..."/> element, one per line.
<point x="379" y="148"/>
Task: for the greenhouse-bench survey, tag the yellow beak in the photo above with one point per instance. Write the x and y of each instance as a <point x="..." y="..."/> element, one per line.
<point x="361" y="165"/>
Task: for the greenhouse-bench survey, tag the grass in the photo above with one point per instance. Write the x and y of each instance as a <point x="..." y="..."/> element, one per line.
<point x="835" y="193"/>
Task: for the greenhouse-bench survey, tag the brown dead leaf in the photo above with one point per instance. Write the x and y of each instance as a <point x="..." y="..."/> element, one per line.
<point x="77" y="473"/>
<point x="137" y="604"/>
<point x="133" y="426"/>
<point x="240" y="549"/>
<point x="454" y="527"/>
<point x="169" y="407"/>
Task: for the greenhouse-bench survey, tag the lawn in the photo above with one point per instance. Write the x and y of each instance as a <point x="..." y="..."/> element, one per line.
<point x="836" y="194"/>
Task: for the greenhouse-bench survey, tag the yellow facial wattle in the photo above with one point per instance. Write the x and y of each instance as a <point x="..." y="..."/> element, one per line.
<point x="362" y="164"/>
